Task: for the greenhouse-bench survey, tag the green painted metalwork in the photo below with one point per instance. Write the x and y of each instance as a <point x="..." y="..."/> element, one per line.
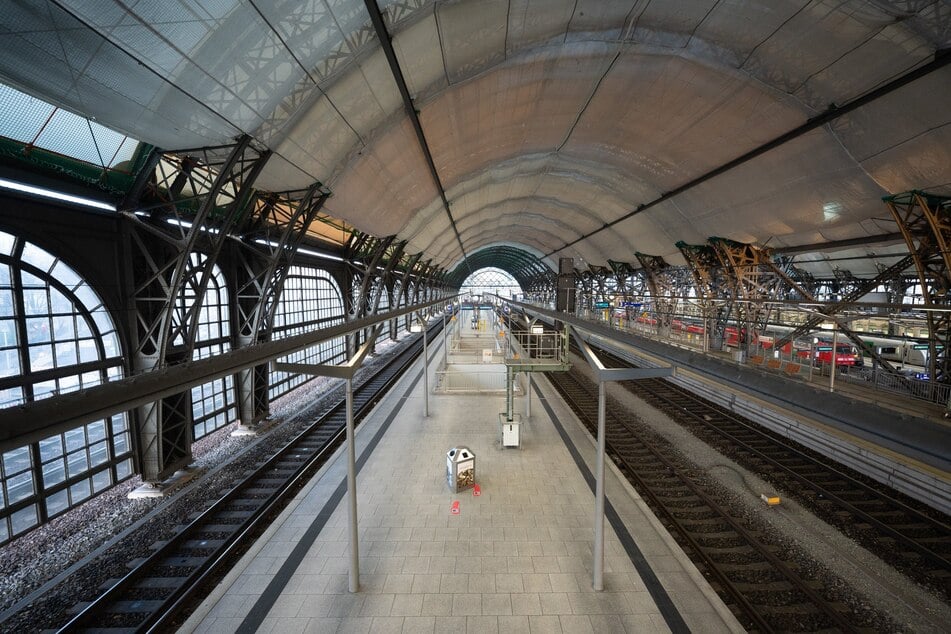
<point x="526" y="268"/>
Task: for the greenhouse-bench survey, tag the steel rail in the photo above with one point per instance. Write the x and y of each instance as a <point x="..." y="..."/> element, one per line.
<point x="157" y="618"/>
<point x="753" y="612"/>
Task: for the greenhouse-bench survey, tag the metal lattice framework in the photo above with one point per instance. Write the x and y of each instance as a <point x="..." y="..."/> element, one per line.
<point x="192" y="201"/>
<point x="662" y="283"/>
<point x="262" y="260"/>
<point x="754" y="280"/>
<point x="711" y="286"/>
<point x="531" y="273"/>
<point x="925" y="222"/>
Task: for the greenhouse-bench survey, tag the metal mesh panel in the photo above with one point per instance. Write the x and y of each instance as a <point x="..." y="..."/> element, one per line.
<point x="21" y="116"/>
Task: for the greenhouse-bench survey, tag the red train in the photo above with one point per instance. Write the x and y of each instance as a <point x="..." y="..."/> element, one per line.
<point x="821" y="351"/>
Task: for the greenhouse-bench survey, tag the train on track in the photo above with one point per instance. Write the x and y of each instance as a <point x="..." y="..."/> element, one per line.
<point x="817" y="344"/>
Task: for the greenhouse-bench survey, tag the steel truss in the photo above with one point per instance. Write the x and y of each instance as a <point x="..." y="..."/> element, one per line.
<point x="925" y="222"/>
<point x="754" y="279"/>
<point x="262" y="261"/>
<point x="663" y="284"/>
<point x="191" y="202"/>
<point x="712" y="286"/>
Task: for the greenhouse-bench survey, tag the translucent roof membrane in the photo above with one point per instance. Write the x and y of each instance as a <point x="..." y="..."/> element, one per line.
<point x="35" y="123"/>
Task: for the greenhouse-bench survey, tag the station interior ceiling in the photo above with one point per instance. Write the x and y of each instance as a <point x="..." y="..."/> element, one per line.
<point x="590" y="129"/>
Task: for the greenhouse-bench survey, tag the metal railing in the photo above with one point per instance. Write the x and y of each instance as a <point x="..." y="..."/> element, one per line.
<point x="470" y="381"/>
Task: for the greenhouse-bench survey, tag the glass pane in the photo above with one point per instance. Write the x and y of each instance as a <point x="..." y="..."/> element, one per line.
<point x="75" y="438"/>
<point x="124" y="469"/>
<point x="87" y="297"/>
<point x="6" y="303"/>
<point x="51" y="447"/>
<point x="79" y="491"/>
<point x="67" y="384"/>
<point x="57" y="503"/>
<point x="121" y="443"/>
<point x="77" y="463"/>
<point x="20" y="487"/>
<point x="65" y="275"/>
<point x="35" y="301"/>
<point x="96" y="431"/>
<point x="23" y="519"/>
<point x="6" y="243"/>
<point x="11" y="396"/>
<point x="44" y="389"/>
<point x="88" y="352"/>
<point x="38" y="329"/>
<point x="16" y="460"/>
<point x="39" y="258"/>
<point x="82" y="328"/>
<point x="102" y="480"/>
<point x="66" y="354"/>
<point x="60" y="303"/>
<point x="64" y="328"/>
<point x="54" y="472"/>
<point x="41" y="358"/>
<point x="98" y="454"/>
<point x="91" y="379"/>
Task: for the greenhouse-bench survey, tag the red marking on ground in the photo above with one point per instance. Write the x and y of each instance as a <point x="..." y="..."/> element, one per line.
<point x="476" y="490"/>
<point x="455" y="508"/>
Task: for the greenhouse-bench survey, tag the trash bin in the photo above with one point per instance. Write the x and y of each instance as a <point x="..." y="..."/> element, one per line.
<point x="460" y="469"/>
<point x="509" y="432"/>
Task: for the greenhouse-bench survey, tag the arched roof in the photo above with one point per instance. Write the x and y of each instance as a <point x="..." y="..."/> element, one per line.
<point x="525" y="267"/>
<point x="591" y="129"/>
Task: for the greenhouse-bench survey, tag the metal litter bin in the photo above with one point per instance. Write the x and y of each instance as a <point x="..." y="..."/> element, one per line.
<point x="509" y="432"/>
<point x="460" y="469"/>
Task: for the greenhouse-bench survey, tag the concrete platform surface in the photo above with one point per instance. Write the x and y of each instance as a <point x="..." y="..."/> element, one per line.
<point x="518" y="558"/>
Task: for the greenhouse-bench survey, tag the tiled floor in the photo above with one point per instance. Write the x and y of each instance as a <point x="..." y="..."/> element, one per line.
<point x="518" y="558"/>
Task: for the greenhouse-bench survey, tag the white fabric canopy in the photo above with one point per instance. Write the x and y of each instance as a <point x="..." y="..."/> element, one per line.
<point x="546" y="119"/>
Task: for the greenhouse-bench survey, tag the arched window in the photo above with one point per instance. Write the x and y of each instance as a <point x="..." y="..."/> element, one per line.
<point x="490" y="280"/>
<point x="213" y="403"/>
<point x="310" y="300"/>
<point x="56" y="337"/>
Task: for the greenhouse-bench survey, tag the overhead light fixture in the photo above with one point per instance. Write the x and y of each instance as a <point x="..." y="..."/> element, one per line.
<point x="316" y="254"/>
<point x="55" y="195"/>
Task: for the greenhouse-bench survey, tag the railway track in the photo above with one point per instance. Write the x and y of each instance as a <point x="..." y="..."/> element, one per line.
<point x="162" y="586"/>
<point x="908" y="535"/>
<point x="764" y="588"/>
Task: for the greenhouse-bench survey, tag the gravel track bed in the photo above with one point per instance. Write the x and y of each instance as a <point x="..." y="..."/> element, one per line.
<point x="885" y="599"/>
<point x="43" y="557"/>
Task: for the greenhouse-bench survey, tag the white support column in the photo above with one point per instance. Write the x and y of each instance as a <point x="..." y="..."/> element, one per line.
<point x="352" y="495"/>
<point x="835" y="351"/>
<point x="425" y="373"/>
<point x="528" y="396"/>
<point x="603" y="375"/>
<point x="598" y="581"/>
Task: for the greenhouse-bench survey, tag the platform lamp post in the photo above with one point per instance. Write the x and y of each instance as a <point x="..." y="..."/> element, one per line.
<point x="604" y="375"/>
<point x="344" y="371"/>
<point x="835" y="353"/>
<point x="420" y="326"/>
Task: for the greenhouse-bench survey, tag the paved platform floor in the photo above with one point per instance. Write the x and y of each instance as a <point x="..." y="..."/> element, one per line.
<point x="518" y="558"/>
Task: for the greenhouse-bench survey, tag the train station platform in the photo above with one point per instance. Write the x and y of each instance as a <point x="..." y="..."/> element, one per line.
<point x="908" y="451"/>
<point x="517" y="558"/>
